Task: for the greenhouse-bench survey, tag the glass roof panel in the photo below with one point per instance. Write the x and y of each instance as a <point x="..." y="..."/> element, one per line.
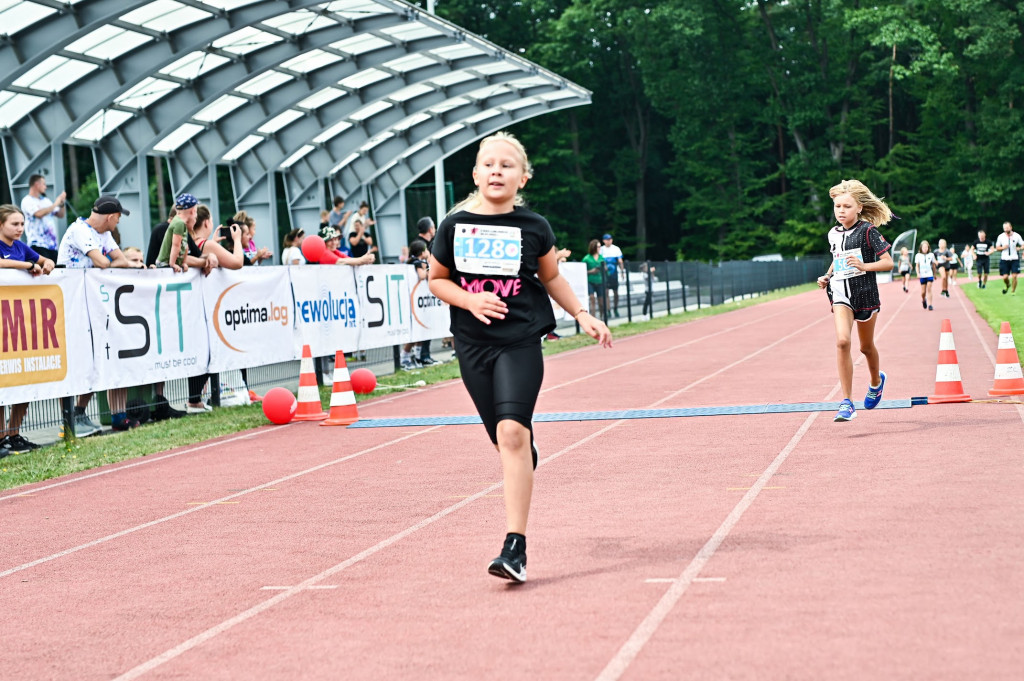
<point x="54" y="74"/>
<point x="409" y="122"/>
<point x="483" y="116"/>
<point x="416" y="147"/>
<point x="16" y="15"/>
<point x="279" y="121"/>
<point x="518" y="104"/>
<point x="178" y="137"/>
<point x="375" y="140"/>
<point x="267" y="80"/>
<point x="102" y="123"/>
<point x="409" y="92"/>
<point x="410" y="63"/>
<point x="496" y="67"/>
<point x="299" y="22"/>
<point x="14" y="107"/>
<point x="448" y="105"/>
<point x="297" y="156"/>
<point x="193" y="65"/>
<point x="446" y="79"/>
<point x="228" y="4"/>
<point x="318" y="99"/>
<point x="444" y="132"/>
<point x="242" y="147"/>
<point x="108" y="42"/>
<point x="222" y="106"/>
<point x="146" y="92"/>
<point x="370" y="110"/>
<point x="333" y="131"/>
<point x="411" y="31"/>
<point x="355" y="10"/>
<point x="459" y="51"/>
<point x="246" y="40"/>
<point x="348" y="159"/>
<point x="165" y="15"/>
<point x="557" y="94"/>
<point x="364" y="78"/>
<point x="310" y="61"/>
<point x="360" y="44"/>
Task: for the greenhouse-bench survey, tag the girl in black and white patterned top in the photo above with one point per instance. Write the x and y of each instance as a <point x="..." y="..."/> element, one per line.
<point x="858" y="251"/>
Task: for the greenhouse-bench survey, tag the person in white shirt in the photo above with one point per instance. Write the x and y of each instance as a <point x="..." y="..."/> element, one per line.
<point x="291" y="253"/>
<point x="1009" y="245"/>
<point x="925" y="265"/>
<point x="612" y="255"/>
<point x="40" y="213"/>
<point x="362" y="215"/>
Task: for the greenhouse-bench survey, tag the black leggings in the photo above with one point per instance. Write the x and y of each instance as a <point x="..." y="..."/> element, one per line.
<point x="503" y="381"/>
<point x="195" y="388"/>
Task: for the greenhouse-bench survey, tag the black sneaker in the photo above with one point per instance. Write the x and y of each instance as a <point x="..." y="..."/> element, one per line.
<point x="4" y="447"/>
<point x="19" y="445"/>
<point x="126" y="424"/>
<point x="924" y="304"/>
<point x="511" y="564"/>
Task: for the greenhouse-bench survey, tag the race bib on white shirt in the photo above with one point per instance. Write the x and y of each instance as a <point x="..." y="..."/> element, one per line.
<point x="488" y="250"/>
<point x="840" y="270"/>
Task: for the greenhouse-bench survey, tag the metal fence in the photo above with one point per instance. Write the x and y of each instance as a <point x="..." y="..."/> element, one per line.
<point x="644" y="289"/>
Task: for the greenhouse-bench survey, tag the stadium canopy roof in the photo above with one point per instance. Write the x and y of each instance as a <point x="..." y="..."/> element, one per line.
<point x="353" y="97"/>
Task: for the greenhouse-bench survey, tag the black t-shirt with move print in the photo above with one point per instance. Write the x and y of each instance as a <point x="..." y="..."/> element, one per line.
<point x="499" y="254"/>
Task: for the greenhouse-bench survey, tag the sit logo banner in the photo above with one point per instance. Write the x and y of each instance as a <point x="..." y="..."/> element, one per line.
<point x="431" y="317"/>
<point x="250" y="317"/>
<point x="139" y="325"/>
<point x="384" y="303"/>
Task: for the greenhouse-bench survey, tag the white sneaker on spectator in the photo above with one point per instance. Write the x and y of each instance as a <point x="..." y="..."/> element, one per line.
<point x="84" y="427"/>
<point x="201" y="408"/>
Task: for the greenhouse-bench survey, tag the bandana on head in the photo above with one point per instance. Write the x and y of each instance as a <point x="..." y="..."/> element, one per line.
<point x="185" y="201"/>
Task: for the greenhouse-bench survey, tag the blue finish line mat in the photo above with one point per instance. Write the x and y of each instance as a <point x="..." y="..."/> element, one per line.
<point x="635" y="414"/>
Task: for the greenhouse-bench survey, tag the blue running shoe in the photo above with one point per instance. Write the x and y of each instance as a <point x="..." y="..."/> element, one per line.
<point x="846" y="411"/>
<point x="874" y="395"/>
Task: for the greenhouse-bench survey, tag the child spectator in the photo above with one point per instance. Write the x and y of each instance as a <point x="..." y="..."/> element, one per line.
<point x="291" y="253"/>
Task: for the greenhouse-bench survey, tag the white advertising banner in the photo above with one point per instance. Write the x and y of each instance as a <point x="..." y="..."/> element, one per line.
<point x="45" y="350"/>
<point x="146" y="325"/>
<point x="249" y="317"/>
<point x="326" y="308"/>
<point x="576" y="274"/>
<point x="384" y="304"/>
<point x="431" y="318"/>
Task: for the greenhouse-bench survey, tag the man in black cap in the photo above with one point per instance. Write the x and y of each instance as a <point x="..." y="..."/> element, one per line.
<point x="88" y="241"/>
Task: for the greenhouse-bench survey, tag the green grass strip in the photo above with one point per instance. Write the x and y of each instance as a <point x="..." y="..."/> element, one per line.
<point x="62" y="458"/>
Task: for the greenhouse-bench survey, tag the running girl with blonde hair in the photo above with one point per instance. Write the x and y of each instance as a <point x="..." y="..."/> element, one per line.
<point x="495" y="263"/>
<point x="858" y="251"/>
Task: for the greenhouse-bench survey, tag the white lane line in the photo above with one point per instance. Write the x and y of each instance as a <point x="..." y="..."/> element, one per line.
<point x="643" y="633"/>
<point x="647" y="628"/>
<point x="285" y="588"/>
<point x="218" y="629"/>
<point x="139" y="462"/>
<point x="194" y="509"/>
<point x="984" y="342"/>
<point x="241" y="617"/>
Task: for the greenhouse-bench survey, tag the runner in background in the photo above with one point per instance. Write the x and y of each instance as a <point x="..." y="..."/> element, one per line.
<point x="942" y="266"/>
<point x="495" y="263"/>
<point x="924" y="265"/>
<point x="905" y="267"/>
<point x="1009" y="244"/>
<point x="858" y="251"/>
<point x="982" y="249"/>
<point x="967" y="258"/>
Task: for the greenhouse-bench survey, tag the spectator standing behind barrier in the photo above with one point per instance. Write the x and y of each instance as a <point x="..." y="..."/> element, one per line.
<point x="175" y="245"/>
<point x="595" y="279"/>
<point x="363" y="215"/>
<point x="88" y="243"/>
<point x="647" y="277"/>
<point x="407" y="359"/>
<point x="156" y="239"/>
<point x="39" y="212"/>
<point x="967" y="258"/>
<point x="425" y="230"/>
<point x="359" y="242"/>
<point x="338" y="218"/>
<point x="15" y="255"/>
<point x="982" y="250"/>
<point x="612" y="255"/>
<point x="1009" y="244"/>
<point x="291" y="250"/>
<point x="332" y="255"/>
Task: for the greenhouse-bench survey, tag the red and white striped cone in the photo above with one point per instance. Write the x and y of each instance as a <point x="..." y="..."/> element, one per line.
<point x="948" y="386"/>
<point x="1009" y="377"/>
<point x="343" y="398"/>
<point x="309" y="407"/>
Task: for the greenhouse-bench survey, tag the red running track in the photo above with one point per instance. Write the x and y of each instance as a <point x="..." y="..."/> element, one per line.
<point x="741" y="547"/>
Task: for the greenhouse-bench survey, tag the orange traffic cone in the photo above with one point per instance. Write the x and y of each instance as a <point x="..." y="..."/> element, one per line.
<point x="343" y="398"/>
<point x="948" y="386"/>
<point x="1009" y="377"/>
<point x="309" y="408"/>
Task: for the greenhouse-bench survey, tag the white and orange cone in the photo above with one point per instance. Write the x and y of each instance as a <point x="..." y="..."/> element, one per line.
<point x="1009" y="378"/>
<point x="948" y="385"/>
<point x="343" y="398"/>
<point x="309" y="408"/>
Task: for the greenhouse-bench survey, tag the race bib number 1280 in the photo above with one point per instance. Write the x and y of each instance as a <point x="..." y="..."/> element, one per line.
<point x="488" y="250"/>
